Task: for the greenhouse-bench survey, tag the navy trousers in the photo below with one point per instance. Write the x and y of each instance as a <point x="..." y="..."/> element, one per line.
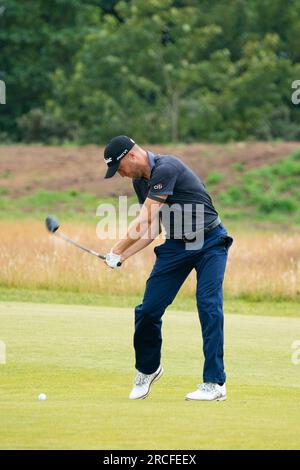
<point x="173" y="264"/>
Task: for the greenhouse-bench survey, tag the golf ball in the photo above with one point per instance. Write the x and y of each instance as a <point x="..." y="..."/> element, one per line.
<point x="42" y="396"/>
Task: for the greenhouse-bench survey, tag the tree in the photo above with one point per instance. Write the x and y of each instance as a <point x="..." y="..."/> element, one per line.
<point x="161" y="70"/>
<point x="36" y="37"/>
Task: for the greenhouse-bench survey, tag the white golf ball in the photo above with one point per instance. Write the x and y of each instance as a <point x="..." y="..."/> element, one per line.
<point x="42" y="396"/>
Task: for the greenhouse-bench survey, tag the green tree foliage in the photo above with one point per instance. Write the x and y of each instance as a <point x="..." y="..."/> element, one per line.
<point x="36" y="38"/>
<point x="161" y="70"/>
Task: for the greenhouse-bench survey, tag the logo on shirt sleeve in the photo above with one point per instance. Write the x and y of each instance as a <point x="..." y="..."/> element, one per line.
<point x="158" y="186"/>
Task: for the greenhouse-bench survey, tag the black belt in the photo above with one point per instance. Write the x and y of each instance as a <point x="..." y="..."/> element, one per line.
<point x="213" y="225"/>
<point x="207" y="229"/>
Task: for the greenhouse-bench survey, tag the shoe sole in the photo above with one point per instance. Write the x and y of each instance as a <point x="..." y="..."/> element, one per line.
<point x="215" y="399"/>
<point x="155" y="379"/>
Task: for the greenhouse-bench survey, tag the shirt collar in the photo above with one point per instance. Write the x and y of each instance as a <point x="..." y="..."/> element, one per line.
<point x="151" y="160"/>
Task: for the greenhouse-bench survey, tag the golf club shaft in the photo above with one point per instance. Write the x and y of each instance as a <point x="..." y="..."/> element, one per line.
<point x="92" y="252"/>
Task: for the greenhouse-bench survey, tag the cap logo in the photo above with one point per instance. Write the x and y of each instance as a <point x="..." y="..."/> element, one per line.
<point x="122" y="154"/>
<point x="108" y="160"/>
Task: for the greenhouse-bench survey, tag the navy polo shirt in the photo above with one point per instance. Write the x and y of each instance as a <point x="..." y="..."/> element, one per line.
<point x="186" y="195"/>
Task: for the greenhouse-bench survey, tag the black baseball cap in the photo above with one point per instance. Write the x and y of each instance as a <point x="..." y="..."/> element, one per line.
<point x="114" y="151"/>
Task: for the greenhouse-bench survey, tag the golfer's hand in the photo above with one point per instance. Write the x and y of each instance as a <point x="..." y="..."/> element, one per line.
<point x="113" y="260"/>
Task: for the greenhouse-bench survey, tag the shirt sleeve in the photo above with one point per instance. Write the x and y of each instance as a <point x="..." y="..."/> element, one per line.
<point x="163" y="180"/>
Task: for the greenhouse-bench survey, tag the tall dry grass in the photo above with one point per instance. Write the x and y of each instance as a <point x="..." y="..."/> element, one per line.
<point x="260" y="265"/>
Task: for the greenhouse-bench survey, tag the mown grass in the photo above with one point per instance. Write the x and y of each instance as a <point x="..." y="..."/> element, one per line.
<point x="82" y="358"/>
<point x="182" y="302"/>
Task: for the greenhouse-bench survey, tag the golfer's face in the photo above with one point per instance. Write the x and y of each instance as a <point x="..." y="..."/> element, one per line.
<point x="128" y="167"/>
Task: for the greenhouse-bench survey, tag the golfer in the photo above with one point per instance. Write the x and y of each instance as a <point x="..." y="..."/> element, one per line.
<point x="165" y="182"/>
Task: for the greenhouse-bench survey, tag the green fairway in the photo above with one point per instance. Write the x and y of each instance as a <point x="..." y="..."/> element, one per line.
<point x="82" y="358"/>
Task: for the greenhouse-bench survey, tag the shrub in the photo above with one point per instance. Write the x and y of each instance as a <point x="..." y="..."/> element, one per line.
<point x="38" y="126"/>
<point x="3" y="191"/>
<point x="238" y="166"/>
<point x="214" y="177"/>
<point x="271" y="204"/>
<point x="287" y="167"/>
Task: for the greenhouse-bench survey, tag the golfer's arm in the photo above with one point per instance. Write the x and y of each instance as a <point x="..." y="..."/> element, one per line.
<point x="136" y="247"/>
<point x="142" y="228"/>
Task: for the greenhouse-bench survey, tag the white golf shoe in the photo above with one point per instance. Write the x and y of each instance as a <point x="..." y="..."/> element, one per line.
<point x="143" y="382"/>
<point x="208" y="392"/>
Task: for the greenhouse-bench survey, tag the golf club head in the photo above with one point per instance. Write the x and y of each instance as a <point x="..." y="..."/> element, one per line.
<point x="52" y="223"/>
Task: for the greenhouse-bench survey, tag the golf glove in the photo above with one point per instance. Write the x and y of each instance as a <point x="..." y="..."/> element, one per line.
<point x="113" y="260"/>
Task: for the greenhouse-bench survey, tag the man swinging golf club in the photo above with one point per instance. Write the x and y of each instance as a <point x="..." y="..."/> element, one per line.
<point x="202" y="244"/>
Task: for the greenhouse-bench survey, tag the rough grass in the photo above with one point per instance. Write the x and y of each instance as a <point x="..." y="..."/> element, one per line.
<point x="261" y="265"/>
<point x="71" y="204"/>
<point x="82" y="358"/>
<point x="259" y="192"/>
<point x="266" y="192"/>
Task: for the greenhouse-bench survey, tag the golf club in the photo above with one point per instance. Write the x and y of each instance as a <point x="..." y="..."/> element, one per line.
<point x="52" y="225"/>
